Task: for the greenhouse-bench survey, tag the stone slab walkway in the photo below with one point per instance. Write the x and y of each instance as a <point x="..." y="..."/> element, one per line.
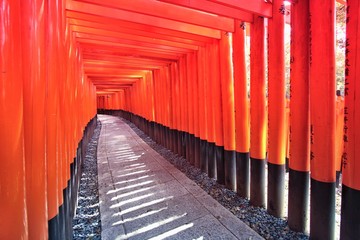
<point x="143" y="196"/>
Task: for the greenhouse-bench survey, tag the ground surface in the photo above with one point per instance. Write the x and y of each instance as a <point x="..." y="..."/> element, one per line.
<point x="87" y="221"/>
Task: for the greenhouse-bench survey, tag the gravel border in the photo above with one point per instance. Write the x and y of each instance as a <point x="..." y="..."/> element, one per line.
<point x="87" y="221"/>
<point x="257" y="218"/>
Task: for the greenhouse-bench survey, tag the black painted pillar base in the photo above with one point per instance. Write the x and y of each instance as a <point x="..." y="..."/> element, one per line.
<point x="157" y="133"/>
<point x="69" y="228"/>
<point x="179" y="142"/>
<point x="203" y="156"/>
<point x="257" y="182"/>
<point x="189" y="148"/>
<point x="322" y="215"/>
<point x="62" y="222"/>
<point x="175" y="141"/>
<point x="211" y="156"/>
<point x="173" y="137"/>
<point x="168" y="138"/>
<point x="276" y="188"/>
<point x="163" y="136"/>
<point x="152" y="130"/>
<point x="350" y="213"/>
<point x="287" y="164"/>
<point x="220" y="165"/>
<point x="338" y="174"/>
<point x="243" y="174"/>
<point x="197" y="152"/>
<point x="183" y="144"/>
<point x="298" y="216"/>
<point x="230" y="169"/>
<point x="53" y="228"/>
<point x="158" y="130"/>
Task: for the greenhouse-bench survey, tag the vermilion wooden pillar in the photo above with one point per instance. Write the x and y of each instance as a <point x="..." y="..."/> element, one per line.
<point x="206" y="95"/>
<point x="242" y="115"/>
<point x="227" y="88"/>
<point x="350" y="211"/>
<point x="190" y="154"/>
<point x="13" y="217"/>
<point x="33" y="56"/>
<point x="299" y="162"/>
<point x="212" y="91"/>
<point x="53" y="41"/>
<point x="202" y="107"/>
<point x="196" y="105"/>
<point x="173" y="119"/>
<point x="322" y="119"/>
<point x="258" y="113"/>
<point x="184" y="106"/>
<point x="276" y="120"/>
<point x="218" y="116"/>
<point x="177" y="107"/>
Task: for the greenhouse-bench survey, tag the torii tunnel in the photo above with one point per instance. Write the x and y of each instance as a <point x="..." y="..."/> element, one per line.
<point x="181" y="71"/>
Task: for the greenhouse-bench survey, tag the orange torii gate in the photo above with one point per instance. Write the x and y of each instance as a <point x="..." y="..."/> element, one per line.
<point x="178" y="70"/>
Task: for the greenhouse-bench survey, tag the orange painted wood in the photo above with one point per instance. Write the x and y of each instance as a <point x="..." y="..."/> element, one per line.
<point x="258" y="117"/>
<point x="184" y="95"/>
<point x="105" y="52"/>
<point x="339" y="137"/>
<point x="299" y="77"/>
<point x="218" y="109"/>
<point x="322" y="92"/>
<point x="130" y="37"/>
<point x="215" y="8"/>
<point x="210" y="114"/>
<point x="13" y="217"/>
<point x="140" y="18"/>
<point x="241" y="95"/>
<point x="287" y="124"/>
<point x="195" y="88"/>
<point x="173" y="94"/>
<point x="227" y="90"/>
<point x="113" y="41"/>
<point x="276" y="86"/>
<point x="144" y="29"/>
<point x="201" y="93"/>
<point x="258" y="7"/>
<point x="171" y="12"/>
<point x="53" y="47"/>
<point x="167" y="106"/>
<point x="132" y="31"/>
<point x="351" y="166"/>
<point x="33" y="64"/>
<point x="190" y="94"/>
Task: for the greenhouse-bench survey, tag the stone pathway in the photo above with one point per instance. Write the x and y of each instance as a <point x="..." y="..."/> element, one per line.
<point x="143" y="196"/>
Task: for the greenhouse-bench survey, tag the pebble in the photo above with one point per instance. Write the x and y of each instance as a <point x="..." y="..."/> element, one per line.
<point x="87" y="223"/>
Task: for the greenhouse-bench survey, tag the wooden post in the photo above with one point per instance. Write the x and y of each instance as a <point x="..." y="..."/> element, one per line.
<point x="276" y="122"/>
<point x="33" y="56"/>
<point x="212" y="71"/>
<point x="219" y="132"/>
<point x="13" y="220"/>
<point x="202" y="108"/>
<point x="258" y="114"/>
<point x="242" y="123"/>
<point x="299" y="162"/>
<point x="322" y="118"/>
<point x="350" y="211"/>
<point x="227" y="88"/>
